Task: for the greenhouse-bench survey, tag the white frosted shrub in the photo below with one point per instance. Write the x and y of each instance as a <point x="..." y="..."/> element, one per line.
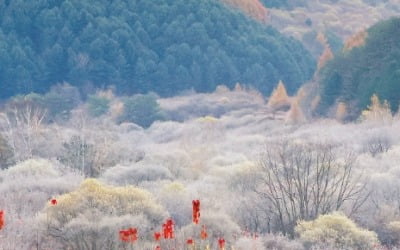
<point x="26" y="188"/>
<point x="244" y="243"/>
<point x="280" y="242"/>
<point x="136" y="174"/>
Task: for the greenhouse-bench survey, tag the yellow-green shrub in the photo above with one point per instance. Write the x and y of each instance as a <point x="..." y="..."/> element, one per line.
<point x="337" y="231"/>
<point x="92" y="215"/>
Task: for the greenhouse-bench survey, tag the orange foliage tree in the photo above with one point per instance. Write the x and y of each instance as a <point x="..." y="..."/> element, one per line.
<point x="325" y="57"/>
<point x="253" y="8"/>
<point x="279" y="98"/>
<point x="356" y="40"/>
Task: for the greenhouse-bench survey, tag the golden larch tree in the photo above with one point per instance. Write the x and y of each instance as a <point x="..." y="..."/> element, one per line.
<point x="377" y="112"/>
<point x="253" y="8"/>
<point x="325" y="57"/>
<point x="356" y="40"/>
<point x="295" y="114"/>
<point x="341" y="111"/>
<point x="279" y="98"/>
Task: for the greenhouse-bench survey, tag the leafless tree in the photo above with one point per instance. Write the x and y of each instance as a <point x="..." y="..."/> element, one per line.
<point x="377" y="144"/>
<point x="21" y="126"/>
<point x="301" y="181"/>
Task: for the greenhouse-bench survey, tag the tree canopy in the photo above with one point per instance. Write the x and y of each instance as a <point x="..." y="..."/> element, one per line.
<point x="162" y="46"/>
<point x="373" y="66"/>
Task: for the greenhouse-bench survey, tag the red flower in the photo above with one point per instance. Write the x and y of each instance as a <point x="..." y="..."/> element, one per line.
<point x="157" y="236"/>
<point x="157" y="248"/>
<point x="203" y="233"/>
<point x="1" y="219"/>
<point x="124" y="235"/>
<point x="221" y="243"/>
<point x="168" y="229"/>
<point x="196" y="211"/>
<point x="190" y="241"/>
<point x="53" y="202"/>
<point x="128" y="235"/>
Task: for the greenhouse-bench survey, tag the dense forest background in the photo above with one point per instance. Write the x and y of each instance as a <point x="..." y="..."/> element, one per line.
<point x="140" y="46"/>
<point x="370" y="67"/>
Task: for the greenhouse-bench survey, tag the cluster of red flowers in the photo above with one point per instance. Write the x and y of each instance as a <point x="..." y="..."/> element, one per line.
<point x="128" y="235"/>
<point x="168" y="229"/>
<point x="196" y="211"/>
<point x="1" y="219"/>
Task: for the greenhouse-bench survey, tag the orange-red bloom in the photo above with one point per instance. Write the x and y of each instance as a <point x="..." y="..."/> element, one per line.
<point x="157" y="236"/>
<point x="221" y="243"/>
<point x="53" y="202"/>
<point x="203" y="233"/>
<point x="1" y="219"/>
<point x="168" y="229"/>
<point x="190" y="241"/>
<point x="196" y="211"/>
<point x="128" y="235"/>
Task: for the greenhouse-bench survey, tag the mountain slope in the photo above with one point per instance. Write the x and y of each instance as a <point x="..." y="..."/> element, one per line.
<point x="355" y="75"/>
<point x="164" y="46"/>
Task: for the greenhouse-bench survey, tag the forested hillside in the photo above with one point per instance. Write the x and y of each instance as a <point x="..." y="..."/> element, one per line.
<point x="139" y="46"/>
<point x="337" y="20"/>
<point x="373" y="66"/>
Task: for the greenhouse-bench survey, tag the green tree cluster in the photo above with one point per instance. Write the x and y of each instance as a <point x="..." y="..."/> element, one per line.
<point x="284" y="4"/>
<point x="142" y="110"/>
<point x="354" y="76"/>
<point x="162" y="46"/>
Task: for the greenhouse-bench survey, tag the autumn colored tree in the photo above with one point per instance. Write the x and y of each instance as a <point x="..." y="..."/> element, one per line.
<point x="279" y="98"/>
<point x="377" y="111"/>
<point x="295" y="115"/>
<point x="325" y="57"/>
<point x="253" y="8"/>
<point x="356" y="40"/>
<point x="92" y="216"/>
<point x="341" y="111"/>
<point x="336" y="231"/>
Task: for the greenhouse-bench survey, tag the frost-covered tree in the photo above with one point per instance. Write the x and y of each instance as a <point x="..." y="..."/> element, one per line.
<point x="26" y="188"/>
<point x="302" y="181"/>
<point x="91" y="216"/>
<point x="336" y="231"/>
